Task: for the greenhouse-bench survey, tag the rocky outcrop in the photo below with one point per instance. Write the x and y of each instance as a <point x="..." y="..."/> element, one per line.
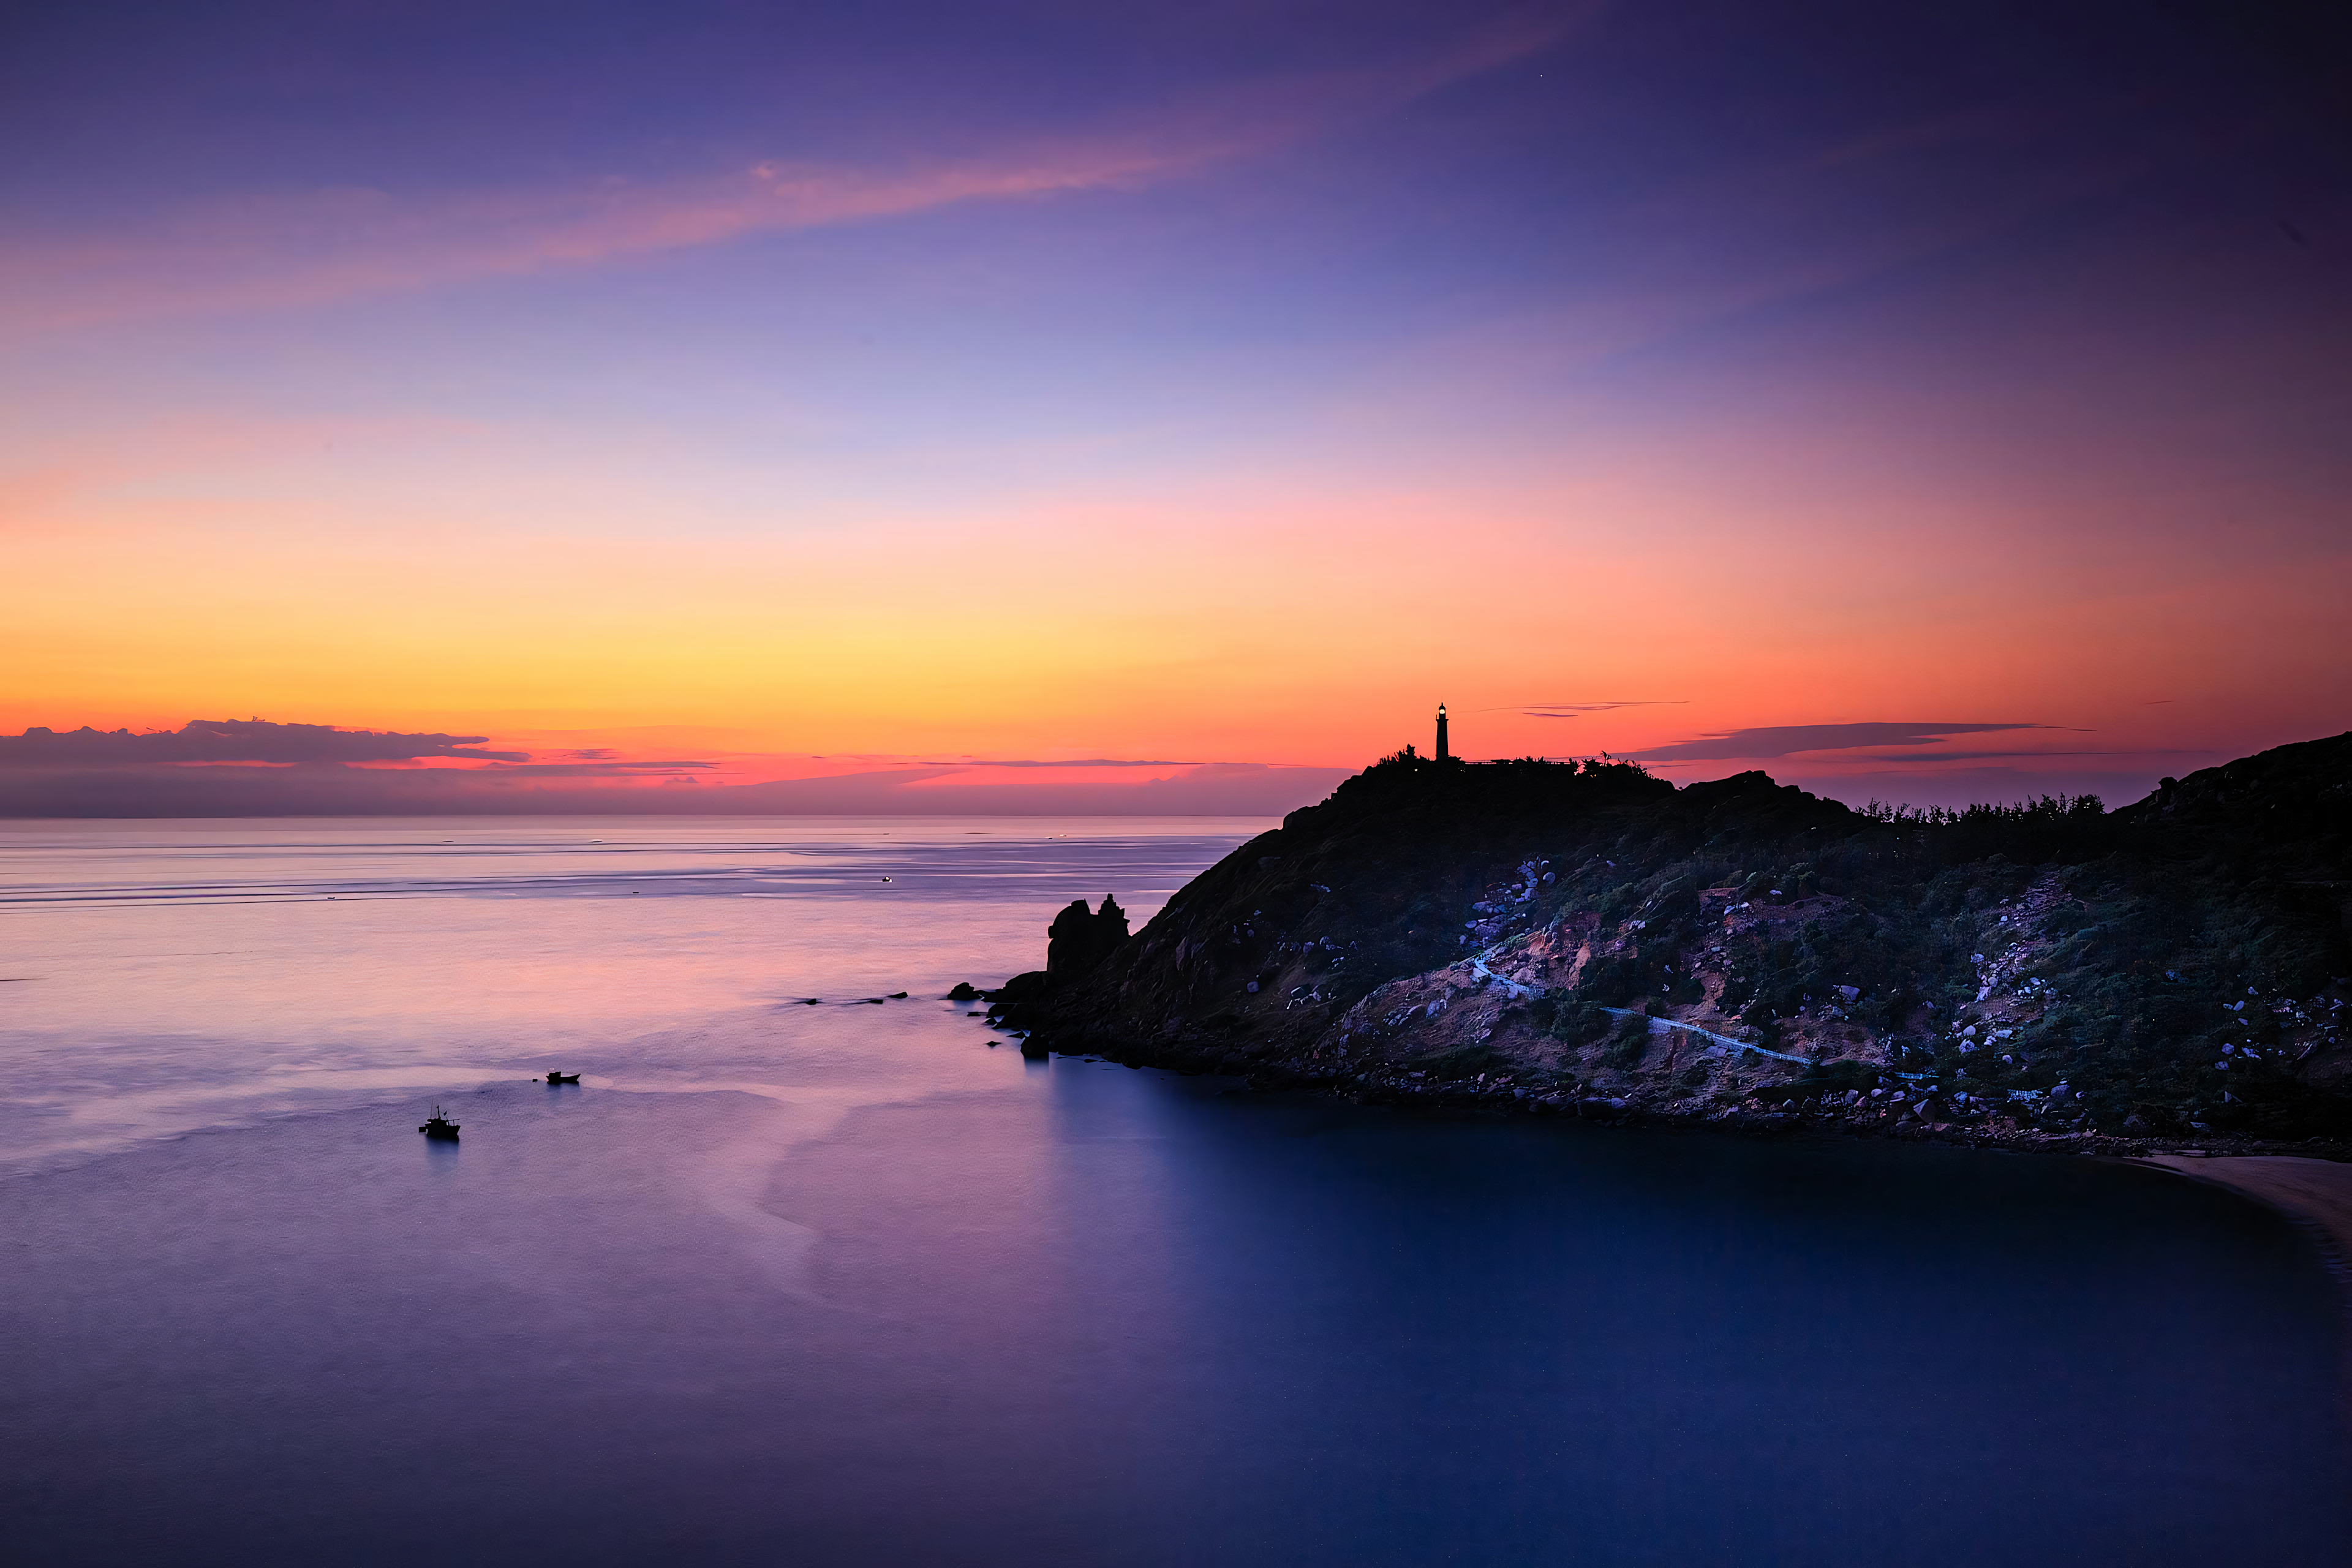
<point x="1079" y="940"/>
<point x="1584" y="935"/>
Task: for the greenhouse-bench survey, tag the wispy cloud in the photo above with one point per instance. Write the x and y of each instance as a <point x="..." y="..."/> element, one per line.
<point x="597" y="770"/>
<point x="2015" y="756"/>
<point x="285" y="252"/>
<point x="1574" y="710"/>
<point x="1788" y="740"/>
<point x="1074" y="762"/>
<point x="282" y="251"/>
<point x="1765" y="232"/>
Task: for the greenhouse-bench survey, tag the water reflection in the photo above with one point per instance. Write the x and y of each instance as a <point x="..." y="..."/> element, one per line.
<point x="843" y="1285"/>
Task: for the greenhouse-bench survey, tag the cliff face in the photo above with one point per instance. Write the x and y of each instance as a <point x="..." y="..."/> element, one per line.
<point x="1563" y="935"/>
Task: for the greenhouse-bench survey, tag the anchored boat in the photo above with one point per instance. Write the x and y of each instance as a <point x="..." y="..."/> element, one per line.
<point x="439" y="1126"/>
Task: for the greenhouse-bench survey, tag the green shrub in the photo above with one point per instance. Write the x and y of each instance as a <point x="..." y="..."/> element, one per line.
<point x="1577" y="1022"/>
<point x="1612" y="979"/>
<point x="1629" y="1042"/>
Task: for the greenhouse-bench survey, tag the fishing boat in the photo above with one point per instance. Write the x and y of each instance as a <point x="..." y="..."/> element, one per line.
<point x="563" y="1077"/>
<point x="439" y="1126"/>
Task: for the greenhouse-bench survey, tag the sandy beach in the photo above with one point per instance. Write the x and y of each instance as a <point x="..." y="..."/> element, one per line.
<point x="2315" y="1194"/>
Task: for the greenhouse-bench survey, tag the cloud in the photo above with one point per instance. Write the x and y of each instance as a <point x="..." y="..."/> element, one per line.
<point x="288" y="251"/>
<point x="1763" y="232"/>
<point x="1211" y="789"/>
<point x="1787" y="740"/>
<point x="1208" y="789"/>
<point x="1571" y="710"/>
<point x="594" y="769"/>
<point x="235" y="741"/>
<point x="1074" y="762"/>
<point x="1993" y="756"/>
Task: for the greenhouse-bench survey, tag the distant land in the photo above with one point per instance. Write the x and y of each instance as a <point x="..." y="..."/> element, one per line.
<point x="1585" y="939"/>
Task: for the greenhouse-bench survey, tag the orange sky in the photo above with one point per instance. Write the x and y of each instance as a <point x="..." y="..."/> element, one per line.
<point x="1253" y="619"/>
<point x="1241" y="430"/>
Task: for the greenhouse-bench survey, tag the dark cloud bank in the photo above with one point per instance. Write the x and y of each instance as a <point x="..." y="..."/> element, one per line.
<point x="1215" y="789"/>
<point x="256" y="768"/>
<point x="233" y="741"/>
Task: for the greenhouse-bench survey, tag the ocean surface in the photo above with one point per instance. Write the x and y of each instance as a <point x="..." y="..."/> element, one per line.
<point x="843" y="1283"/>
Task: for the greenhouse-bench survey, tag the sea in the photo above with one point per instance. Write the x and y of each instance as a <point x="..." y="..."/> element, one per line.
<point x="797" y="1275"/>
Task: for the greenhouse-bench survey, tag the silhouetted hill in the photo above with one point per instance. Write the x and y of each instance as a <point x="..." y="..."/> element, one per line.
<point x="1564" y="934"/>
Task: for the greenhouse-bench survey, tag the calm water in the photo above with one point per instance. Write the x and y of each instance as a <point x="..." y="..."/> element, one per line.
<point x="842" y="1284"/>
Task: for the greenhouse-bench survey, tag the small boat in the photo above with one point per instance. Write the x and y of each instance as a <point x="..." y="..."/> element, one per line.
<point x="439" y="1126"/>
<point x="563" y="1077"/>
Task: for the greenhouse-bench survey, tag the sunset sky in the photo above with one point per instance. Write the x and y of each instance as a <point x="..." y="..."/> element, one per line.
<point x="1929" y="404"/>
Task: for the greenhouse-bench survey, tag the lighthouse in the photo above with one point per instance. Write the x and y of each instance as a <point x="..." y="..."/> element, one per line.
<point x="1442" y="752"/>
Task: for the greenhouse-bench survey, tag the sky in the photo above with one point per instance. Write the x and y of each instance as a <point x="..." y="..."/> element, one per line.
<point x="1031" y="407"/>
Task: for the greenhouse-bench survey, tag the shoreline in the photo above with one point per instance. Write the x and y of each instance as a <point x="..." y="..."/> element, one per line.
<point x="2315" y="1195"/>
<point x="2191" y="1156"/>
<point x="2307" y="1185"/>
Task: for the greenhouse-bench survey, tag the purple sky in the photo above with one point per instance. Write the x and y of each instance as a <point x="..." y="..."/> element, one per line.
<point x="720" y="390"/>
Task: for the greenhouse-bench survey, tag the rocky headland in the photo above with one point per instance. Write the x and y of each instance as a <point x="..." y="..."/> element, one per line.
<point x="1584" y="939"/>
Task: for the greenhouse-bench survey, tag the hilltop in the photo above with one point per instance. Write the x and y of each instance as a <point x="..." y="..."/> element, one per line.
<point x="1587" y="937"/>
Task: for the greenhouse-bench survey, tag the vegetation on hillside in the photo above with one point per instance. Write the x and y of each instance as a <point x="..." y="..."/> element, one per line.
<point x="2178" y="964"/>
